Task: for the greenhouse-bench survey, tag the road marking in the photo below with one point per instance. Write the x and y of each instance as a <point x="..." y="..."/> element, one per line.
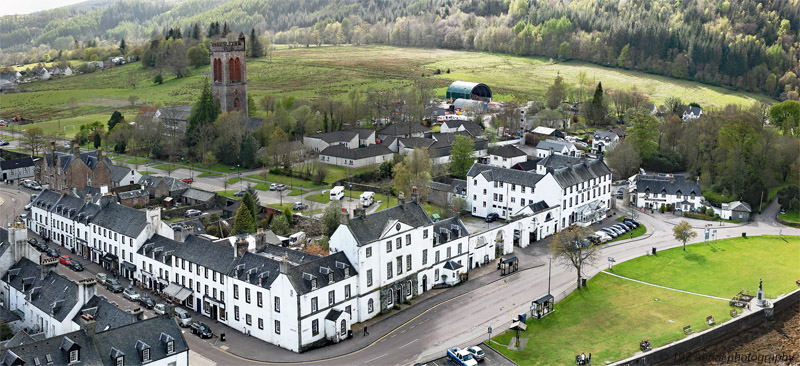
<point x="407" y="343"/>
<point x="664" y="287"/>
<point x="381" y="356"/>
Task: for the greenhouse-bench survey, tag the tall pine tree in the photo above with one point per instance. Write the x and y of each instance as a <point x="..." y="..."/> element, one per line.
<point x="256" y="49"/>
<point x="205" y="111"/>
<point x="598" y="109"/>
<point x="196" y="31"/>
<point x="122" y="46"/>
<point x="225" y="30"/>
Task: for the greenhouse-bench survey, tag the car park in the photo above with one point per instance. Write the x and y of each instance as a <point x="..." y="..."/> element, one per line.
<point x="160" y="309"/>
<point x="101" y="278"/>
<point x="147" y="302"/>
<point x="130" y="294"/>
<point x="611" y="233"/>
<point x="602" y="235"/>
<point x="52" y="252"/>
<point x="629" y="225"/>
<point x="184" y="319"/>
<point x="622" y="227"/>
<point x="631" y="221"/>
<point x="192" y="213"/>
<point x="477" y="353"/>
<point x="492" y="217"/>
<point x="201" y="330"/>
<point x="75" y="266"/>
<point x="65" y="260"/>
<point x="113" y="285"/>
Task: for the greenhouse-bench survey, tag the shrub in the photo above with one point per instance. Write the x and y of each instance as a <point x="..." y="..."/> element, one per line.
<point x="703" y="210"/>
<point x="669" y="207"/>
<point x="662" y="208"/>
<point x="158" y="79"/>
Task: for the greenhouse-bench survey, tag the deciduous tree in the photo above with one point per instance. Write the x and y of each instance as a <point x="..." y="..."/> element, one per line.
<point x="570" y="247"/>
<point x="683" y="232"/>
<point x="33" y="139"/>
<point x="462" y="156"/>
<point x="414" y="170"/>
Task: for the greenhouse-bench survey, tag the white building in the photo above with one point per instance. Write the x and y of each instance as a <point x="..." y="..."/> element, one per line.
<point x="653" y="190"/>
<point x="16" y="169"/>
<point x="457" y="125"/>
<point x="351" y="139"/>
<point x="355" y="158"/>
<point x="736" y="210"/>
<point x="690" y="113"/>
<point x="507" y="156"/>
<point x="603" y="141"/>
<point x="549" y="147"/>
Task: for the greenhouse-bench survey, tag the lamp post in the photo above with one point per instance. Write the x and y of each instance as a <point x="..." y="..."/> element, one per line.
<point x="549" y="271"/>
<point x="239" y="176"/>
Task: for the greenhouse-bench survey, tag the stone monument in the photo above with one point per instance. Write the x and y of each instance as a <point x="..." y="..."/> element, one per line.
<point x="760" y="293"/>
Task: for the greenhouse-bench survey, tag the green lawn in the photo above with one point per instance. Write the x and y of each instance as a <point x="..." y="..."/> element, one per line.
<point x="609" y="318"/>
<point x="723" y="267"/>
<point x="229" y="194"/>
<point x="208" y="174"/>
<point x="288" y="181"/>
<point x="791" y="216"/>
<point x="637" y="232"/>
<point x="336" y="173"/>
<point x="233" y="180"/>
<point x="147" y="172"/>
<point x="71" y="125"/>
<point x="135" y="161"/>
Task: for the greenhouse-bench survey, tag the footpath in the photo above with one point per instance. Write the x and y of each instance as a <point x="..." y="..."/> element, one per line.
<point x="253" y="349"/>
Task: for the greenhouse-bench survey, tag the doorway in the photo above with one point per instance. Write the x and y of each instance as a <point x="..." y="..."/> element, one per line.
<point x="214" y="312"/>
<point x="424" y="283"/>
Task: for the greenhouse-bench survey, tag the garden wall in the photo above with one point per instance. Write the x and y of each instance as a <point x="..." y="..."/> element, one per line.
<point x="682" y="352"/>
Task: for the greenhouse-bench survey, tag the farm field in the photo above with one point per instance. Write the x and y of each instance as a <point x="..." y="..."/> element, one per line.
<point x="309" y="72"/>
<point x="610" y="316"/>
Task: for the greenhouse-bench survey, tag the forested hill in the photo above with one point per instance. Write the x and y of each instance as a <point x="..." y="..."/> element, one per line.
<point x="747" y="44"/>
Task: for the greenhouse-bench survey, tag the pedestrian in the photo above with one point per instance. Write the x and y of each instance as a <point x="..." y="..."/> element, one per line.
<point x="590" y="358"/>
<point x="366" y="333"/>
<point x="631" y="234"/>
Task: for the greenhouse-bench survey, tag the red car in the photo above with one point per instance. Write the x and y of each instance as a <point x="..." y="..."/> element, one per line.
<point x="187" y="180"/>
<point x="65" y="260"/>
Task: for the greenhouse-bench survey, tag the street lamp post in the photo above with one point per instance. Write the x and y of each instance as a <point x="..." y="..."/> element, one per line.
<point x="239" y="175"/>
<point x="549" y="271"/>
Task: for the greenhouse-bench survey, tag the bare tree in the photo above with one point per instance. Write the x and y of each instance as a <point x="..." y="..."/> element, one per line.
<point x="33" y="139"/>
<point x="571" y="248"/>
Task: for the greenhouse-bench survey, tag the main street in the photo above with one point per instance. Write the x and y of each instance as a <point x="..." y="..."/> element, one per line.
<point x="461" y="321"/>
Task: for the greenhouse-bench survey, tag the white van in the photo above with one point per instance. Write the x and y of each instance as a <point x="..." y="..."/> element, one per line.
<point x="298" y="238"/>
<point x="337" y="193"/>
<point x="367" y="199"/>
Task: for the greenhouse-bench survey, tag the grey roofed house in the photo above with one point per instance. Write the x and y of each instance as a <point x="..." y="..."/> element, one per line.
<point x="604" y="134"/>
<point x="89" y="158"/>
<point x="341" y="151"/>
<point x="363" y="133"/>
<point x="118" y="173"/>
<point x="154" y="333"/>
<point x="335" y="136"/>
<point x="494" y="173"/>
<point x="660" y="183"/>
<point x="738" y="206"/>
<point x="198" y="194"/>
<point x="16" y="163"/>
<point x="401" y="129"/>
<point x="557" y="161"/>
<point x="136" y="193"/>
<point x="574" y="174"/>
<point x="336" y="264"/>
<point x="416" y="142"/>
<point x="173" y="184"/>
<point x="459" y="186"/>
<point x="52" y="289"/>
<point x="448" y="230"/>
<point x="369" y="228"/>
<point x="472" y="128"/>
<point x="195" y="225"/>
<point x="106" y="316"/>
<point x="555" y="144"/>
<point x="276" y="252"/>
<point x="508" y="151"/>
<point x="255" y="269"/>
<point x="527" y="165"/>
<point x="121" y="219"/>
<point x="54" y="351"/>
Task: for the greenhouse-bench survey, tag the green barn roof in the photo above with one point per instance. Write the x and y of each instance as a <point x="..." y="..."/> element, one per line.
<point x="465" y="90"/>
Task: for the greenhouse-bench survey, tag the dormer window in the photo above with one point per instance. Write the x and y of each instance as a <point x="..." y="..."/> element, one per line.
<point x="145" y="355"/>
<point x="121" y="361"/>
<point x="74" y="356"/>
<point x="313" y="284"/>
<point x="170" y="347"/>
<point x="330" y="277"/>
<point x="347" y="271"/>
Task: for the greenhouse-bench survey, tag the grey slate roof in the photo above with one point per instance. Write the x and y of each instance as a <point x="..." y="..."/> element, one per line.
<point x="133" y="194"/>
<point x="578" y="173"/>
<point x="252" y="268"/>
<point x="121" y="219"/>
<point x="459" y="185"/>
<point x="276" y="251"/>
<point x="217" y="256"/>
<point x="737" y="206"/>
<point x="50" y="290"/>
<point x="527" y="165"/>
<point x="20" y="338"/>
<point x="363" y="133"/>
<point x="452" y="227"/>
<point x="603" y="134"/>
<point x="16" y="163"/>
<point x="414" y="142"/>
<point x="341" y="151"/>
<point x="661" y="183"/>
<point x="513" y="176"/>
<point x="333" y="315"/>
<point x="118" y="173"/>
<point x="335" y="136"/>
<point x="198" y="194"/>
<point x="452" y="265"/>
<point x="556" y="161"/>
<point x="473" y="128"/>
<point x="318" y="268"/>
<point x="556" y="145"/>
<point x="106" y="315"/>
<point x="173" y="184"/>
<point x="30" y="352"/>
<point x="369" y="228"/>
<point x="90" y="158"/>
<point x="153" y="332"/>
<point x="8" y="316"/>
<point x="402" y="129"/>
<point x="177" y="113"/>
<point x="508" y="151"/>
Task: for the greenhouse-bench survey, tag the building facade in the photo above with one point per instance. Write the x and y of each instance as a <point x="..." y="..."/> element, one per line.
<point x="229" y="74"/>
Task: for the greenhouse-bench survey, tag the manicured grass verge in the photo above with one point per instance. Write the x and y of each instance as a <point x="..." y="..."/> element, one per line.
<point x="609" y="318"/>
<point x="288" y="181"/>
<point x="336" y="172"/>
<point x="791" y="216"/>
<point x="229" y="194"/>
<point x="147" y="172"/>
<point x="208" y="174"/>
<point x="638" y="231"/>
<point x="135" y="161"/>
<point x="722" y="268"/>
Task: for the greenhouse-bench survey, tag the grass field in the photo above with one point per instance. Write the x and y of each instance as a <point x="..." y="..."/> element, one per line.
<point x="637" y="232"/>
<point x="280" y="179"/>
<point x="609" y="318"/>
<point x="723" y="267"/>
<point x="71" y="125"/>
<point x="791" y="216"/>
<point x="306" y="72"/>
<point x="611" y="315"/>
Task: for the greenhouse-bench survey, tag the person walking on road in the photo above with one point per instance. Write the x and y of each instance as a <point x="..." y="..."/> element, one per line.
<point x="365" y="331"/>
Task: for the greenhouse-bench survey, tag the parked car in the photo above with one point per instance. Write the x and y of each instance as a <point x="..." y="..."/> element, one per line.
<point x="33" y="197"/>
<point x="52" y="252"/>
<point x="201" y="330"/>
<point x="477" y="353"/>
<point x="130" y="294"/>
<point x="4" y="142"/>
<point x="41" y="246"/>
<point x="602" y="235"/>
<point x="187" y="180"/>
<point x="622" y="227"/>
<point x="147" y="302"/>
<point x="101" y="278"/>
<point x="192" y="213"/>
<point x="113" y="285"/>
<point x="239" y="194"/>
<point x="75" y="266"/>
<point x="492" y="217"/>
<point x="28" y="206"/>
<point x="629" y="225"/>
<point x="65" y="260"/>
<point x="299" y="206"/>
<point x="27" y="183"/>
<point x="160" y="309"/>
<point x="280" y="187"/>
<point x="184" y="319"/>
<point x="273" y="187"/>
<point x="632" y="221"/>
<point x="611" y="233"/>
<point x="33" y="241"/>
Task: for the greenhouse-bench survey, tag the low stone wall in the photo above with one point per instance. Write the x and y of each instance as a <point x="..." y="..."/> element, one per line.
<point x="787" y="223"/>
<point x="682" y="352"/>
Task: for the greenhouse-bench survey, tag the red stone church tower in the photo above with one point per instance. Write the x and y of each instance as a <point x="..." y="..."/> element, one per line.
<point x="229" y="74"/>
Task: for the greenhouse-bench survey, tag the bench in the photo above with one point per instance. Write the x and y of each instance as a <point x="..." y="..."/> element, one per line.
<point x="734" y="313"/>
<point x="710" y="320"/>
<point x="687" y="330"/>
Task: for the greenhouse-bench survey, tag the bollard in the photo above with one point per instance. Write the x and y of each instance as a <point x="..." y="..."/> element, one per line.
<point x="222" y="337"/>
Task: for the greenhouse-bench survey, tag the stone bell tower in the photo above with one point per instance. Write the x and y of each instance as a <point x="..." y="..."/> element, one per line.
<point x="229" y="74"/>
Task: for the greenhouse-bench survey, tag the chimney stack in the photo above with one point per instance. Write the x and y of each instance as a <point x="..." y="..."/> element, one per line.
<point x="76" y="151"/>
<point x="48" y="264"/>
<point x="88" y="325"/>
<point x="360" y="211"/>
<point x="401" y="199"/>
<point x="414" y="194"/>
<point x="240" y="247"/>
<point x="284" y="265"/>
<point x="344" y="217"/>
